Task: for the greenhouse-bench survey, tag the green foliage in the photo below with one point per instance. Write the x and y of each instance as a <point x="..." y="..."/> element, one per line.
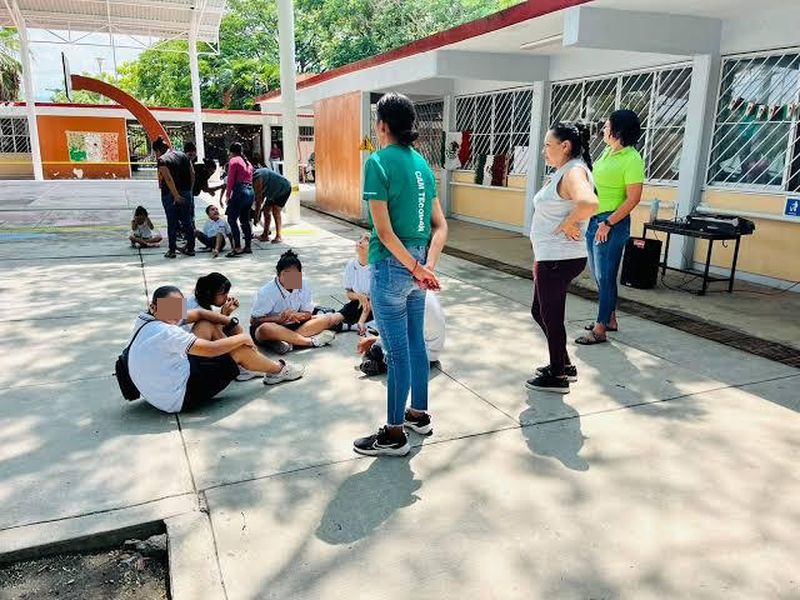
<point x="10" y="67"/>
<point x="84" y="97"/>
<point x="328" y="34"/>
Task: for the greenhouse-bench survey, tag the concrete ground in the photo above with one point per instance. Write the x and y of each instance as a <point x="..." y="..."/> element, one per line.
<point x="668" y="472"/>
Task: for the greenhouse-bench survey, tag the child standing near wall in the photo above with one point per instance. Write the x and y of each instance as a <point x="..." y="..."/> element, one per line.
<point x="142" y="234"/>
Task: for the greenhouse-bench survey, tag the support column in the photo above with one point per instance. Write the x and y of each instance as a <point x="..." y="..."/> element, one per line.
<point x="449" y="125"/>
<point x="30" y="97"/>
<point x="266" y="140"/>
<point x="289" y="106"/>
<point x="696" y="143"/>
<point x="366" y="131"/>
<point x="194" y="71"/>
<point x="540" y="113"/>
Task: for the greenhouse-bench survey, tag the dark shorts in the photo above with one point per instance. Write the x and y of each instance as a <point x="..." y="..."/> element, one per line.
<point x="208" y="377"/>
<point x="293" y="327"/>
<point x="279" y="200"/>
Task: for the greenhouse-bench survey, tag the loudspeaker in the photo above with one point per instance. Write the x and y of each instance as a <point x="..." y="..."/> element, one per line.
<point x="640" y="264"/>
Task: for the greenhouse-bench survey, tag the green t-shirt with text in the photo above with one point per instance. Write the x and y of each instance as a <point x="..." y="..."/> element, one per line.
<point x="613" y="172"/>
<point x="401" y="177"/>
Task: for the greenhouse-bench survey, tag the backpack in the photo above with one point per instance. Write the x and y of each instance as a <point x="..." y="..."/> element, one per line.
<point x="126" y="386"/>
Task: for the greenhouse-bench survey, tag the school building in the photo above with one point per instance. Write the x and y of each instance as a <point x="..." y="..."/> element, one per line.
<point x="716" y="84"/>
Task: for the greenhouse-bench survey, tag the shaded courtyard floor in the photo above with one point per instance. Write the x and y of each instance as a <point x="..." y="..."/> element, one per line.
<point x="669" y="471"/>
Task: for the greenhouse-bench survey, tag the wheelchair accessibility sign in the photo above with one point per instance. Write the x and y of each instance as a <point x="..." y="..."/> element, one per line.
<point x="792" y="207"/>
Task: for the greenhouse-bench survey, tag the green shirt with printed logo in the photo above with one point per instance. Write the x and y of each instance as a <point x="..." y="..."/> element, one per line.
<point x="613" y="172"/>
<point x="400" y="176"/>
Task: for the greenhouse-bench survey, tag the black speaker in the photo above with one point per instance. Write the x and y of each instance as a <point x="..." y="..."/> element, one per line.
<point x="640" y="264"/>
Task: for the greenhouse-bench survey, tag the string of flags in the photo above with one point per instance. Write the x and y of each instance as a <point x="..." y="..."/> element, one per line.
<point x="764" y="112"/>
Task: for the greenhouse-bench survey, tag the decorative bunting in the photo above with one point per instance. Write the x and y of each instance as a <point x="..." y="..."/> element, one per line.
<point x="751" y="107"/>
<point x="735" y="104"/>
<point x="762" y="112"/>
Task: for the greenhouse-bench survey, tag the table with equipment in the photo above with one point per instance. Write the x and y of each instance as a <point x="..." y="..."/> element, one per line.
<point x="677" y="228"/>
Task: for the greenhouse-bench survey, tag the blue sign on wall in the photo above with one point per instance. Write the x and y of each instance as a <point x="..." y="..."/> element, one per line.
<point x="792" y="207"/>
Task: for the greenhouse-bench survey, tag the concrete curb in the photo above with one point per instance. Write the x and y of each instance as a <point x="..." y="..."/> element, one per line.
<point x="193" y="568"/>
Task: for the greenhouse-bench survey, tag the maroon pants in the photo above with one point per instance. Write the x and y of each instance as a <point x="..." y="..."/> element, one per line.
<point x="551" y="278"/>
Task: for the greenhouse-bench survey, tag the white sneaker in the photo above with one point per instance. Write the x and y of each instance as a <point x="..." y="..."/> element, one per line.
<point x="281" y="347"/>
<point x="289" y="372"/>
<point x="246" y="375"/>
<point x="323" y="339"/>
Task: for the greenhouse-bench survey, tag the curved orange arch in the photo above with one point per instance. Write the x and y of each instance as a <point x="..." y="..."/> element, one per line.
<point x="151" y="125"/>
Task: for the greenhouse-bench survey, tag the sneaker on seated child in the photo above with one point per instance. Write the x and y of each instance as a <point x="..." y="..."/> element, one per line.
<point x="214" y="231"/>
<point x="282" y="315"/>
<point x="142" y="234"/>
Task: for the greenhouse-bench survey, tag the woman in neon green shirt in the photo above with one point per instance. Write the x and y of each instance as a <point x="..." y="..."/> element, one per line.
<point x="619" y="179"/>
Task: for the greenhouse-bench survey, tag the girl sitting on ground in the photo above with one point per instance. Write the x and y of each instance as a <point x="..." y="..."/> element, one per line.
<point x="142" y="234"/>
<point x="174" y="369"/>
<point x="357" y="281"/>
<point x="283" y="311"/>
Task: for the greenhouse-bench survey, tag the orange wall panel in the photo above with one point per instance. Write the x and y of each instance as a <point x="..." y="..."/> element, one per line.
<point x="53" y="142"/>
<point x="337" y="133"/>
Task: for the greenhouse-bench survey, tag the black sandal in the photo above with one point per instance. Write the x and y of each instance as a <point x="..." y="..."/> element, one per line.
<point x="590" y="339"/>
<point x="233" y="254"/>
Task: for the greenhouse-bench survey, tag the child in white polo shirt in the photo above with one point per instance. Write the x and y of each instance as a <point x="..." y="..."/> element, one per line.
<point x="283" y="311"/>
<point x="214" y="231"/>
<point x="357" y="282"/>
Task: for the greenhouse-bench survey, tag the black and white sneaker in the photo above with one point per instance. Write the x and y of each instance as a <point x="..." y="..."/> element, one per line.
<point x="380" y="444"/>
<point x="548" y="383"/>
<point x="421" y="424"/>
<point x="571" y="371"/>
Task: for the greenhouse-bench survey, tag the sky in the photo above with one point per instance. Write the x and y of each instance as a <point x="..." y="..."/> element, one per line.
<point x="82" y="58"/>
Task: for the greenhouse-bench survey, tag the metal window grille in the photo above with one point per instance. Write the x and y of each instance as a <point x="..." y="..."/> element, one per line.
<point x="305" y="133"/>
<point x="430" y="125"/>
<point x="756" y="141"/>
<point x="500" y="123"/>
<point x="14" y="138"/>
<point x="660" y="98"/>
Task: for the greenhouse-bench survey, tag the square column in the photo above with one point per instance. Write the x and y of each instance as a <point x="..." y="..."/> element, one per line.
<point x="540" y="112"/>
<point x="194" y="72"/>
<point x="30" y="96"/>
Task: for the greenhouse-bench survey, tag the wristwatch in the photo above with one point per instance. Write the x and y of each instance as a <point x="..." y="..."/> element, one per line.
<point x="608" y="224"/>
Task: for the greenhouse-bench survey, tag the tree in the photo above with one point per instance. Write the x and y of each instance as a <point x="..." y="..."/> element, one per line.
<point x="82" y="96"/>
<point x="10" y="67"/>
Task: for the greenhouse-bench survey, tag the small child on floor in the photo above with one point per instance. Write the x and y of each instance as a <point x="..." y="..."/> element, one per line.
<point x="357" y="281"/>
<point x="283" y="316"/>
<point x="142" y="234"/>
<point x="214" y="231"/>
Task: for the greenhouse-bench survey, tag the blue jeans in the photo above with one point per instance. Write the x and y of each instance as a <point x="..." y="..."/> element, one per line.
<point x="604" y="261"/>
<point x="179" y="216"/>
<point x="239" y="212"/>
<point x="399" y="307"/>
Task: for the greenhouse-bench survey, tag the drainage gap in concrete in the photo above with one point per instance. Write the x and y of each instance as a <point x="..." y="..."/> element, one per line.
<point x="135" y="570"/>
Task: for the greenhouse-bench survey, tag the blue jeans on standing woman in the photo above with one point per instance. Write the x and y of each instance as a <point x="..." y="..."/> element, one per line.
<point x="239" y="212"/>
<point x="399" y="308"/>
<point x="604" y="261"/>
<point x="179" y="216"/>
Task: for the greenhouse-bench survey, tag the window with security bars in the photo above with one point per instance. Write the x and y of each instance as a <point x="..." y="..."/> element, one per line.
<point x="305" y="133"/>
<point x="756" y="141"/>
<point x="660" y="98"/>
<point x="14" y="138"/>
<point x="430" y="125"/>
<point x="500" y="123"/>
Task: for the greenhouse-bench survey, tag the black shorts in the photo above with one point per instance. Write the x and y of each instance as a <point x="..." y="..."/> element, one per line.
<point x="292" y="326"/>
<point x="279" y="200"/>
<point x="208" y="377"/>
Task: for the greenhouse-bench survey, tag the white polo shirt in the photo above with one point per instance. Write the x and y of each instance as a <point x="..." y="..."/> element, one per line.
<point x="435" y="325"/>
<point x="357" y="277"/>
<point x="212" y="228"/>
<point x="158" y="362"/>
<point x="273" y="299"/>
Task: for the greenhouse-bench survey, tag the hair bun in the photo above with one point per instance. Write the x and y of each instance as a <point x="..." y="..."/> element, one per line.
<point x="408" y="137"/>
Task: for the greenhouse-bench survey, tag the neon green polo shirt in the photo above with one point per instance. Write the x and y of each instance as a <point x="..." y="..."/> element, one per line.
<point x="400" y="176"/>
<point x="612" y="172"/>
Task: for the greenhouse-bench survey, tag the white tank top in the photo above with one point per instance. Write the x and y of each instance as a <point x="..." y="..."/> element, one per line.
<point x="549" y="211"/>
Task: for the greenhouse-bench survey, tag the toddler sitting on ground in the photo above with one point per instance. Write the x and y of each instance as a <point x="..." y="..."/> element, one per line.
<point x="142" y="234"/>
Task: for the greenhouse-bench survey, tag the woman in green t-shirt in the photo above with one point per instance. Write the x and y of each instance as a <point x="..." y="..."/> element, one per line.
<point x="618" y="178"/>
<point x="408" y="234"/>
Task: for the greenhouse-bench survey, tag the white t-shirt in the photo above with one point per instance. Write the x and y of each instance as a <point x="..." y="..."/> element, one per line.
<point x="212" y="228"/>
<point x="158" y="362"/>
<point x="357" y="277"/>
<point x="273" y="299"/>
<point x="435" y="324"/>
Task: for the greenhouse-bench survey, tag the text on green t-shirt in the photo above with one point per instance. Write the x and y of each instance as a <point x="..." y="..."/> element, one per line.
<point x="400" y="176"/>
<point x="612" y="172"/>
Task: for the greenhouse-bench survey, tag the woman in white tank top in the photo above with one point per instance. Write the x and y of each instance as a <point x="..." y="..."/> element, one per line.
<point x="562" y="209"/>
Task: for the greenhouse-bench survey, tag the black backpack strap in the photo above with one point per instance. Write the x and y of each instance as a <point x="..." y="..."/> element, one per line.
<point x="135" y="335"/>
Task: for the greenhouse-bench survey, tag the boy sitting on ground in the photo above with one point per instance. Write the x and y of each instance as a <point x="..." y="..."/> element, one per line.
<point x="357" y="282"/>
<point x="214" y="231"/>
<point x="142" y="234"/>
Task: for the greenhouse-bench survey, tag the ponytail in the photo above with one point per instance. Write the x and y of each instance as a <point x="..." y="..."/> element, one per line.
<point x="397" y="112"/>
<point x="578" y="134"/>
